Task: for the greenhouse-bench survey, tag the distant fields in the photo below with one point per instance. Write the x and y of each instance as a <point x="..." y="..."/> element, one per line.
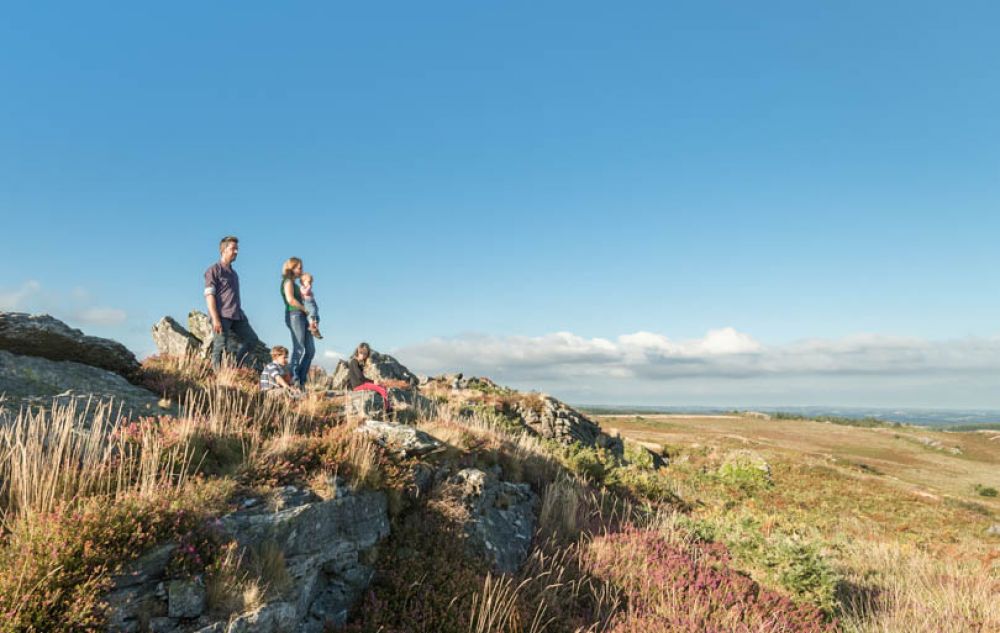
<point x="901" y="513"/>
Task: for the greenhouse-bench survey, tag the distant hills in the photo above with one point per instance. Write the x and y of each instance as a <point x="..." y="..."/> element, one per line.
<point x="964" y="419"/>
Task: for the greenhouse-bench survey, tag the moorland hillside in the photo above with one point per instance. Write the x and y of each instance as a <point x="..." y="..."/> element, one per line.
<point x="163" y="496"/>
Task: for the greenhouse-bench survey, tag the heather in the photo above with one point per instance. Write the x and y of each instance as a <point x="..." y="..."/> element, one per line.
<point x="723" y="538"/>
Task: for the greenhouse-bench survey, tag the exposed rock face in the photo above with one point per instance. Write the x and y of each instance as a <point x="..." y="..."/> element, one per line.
<point x="324" y="544"/>
<point x="172" y="339"/>
<point x="406" y="441"/>
<point x="502" y="517"/>
<point x="380" y="368"/>
<point x="554" y="420"/>
<point x="47" y="337"/>
<point x="30" y="381"/>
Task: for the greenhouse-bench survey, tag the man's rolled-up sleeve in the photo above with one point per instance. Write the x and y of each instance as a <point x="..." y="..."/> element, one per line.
<point x="210" y="281"/>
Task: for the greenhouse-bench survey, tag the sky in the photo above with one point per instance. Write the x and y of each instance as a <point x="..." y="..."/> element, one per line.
<point x="683" y="203"/>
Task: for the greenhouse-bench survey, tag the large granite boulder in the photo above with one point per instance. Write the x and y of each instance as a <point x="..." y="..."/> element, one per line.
<point x="380" y="368"/>
<point x="324" y="545"/>
<point x="501" y="517"/>
<point x="47" y="337"/>
<point x="29" y="381"/>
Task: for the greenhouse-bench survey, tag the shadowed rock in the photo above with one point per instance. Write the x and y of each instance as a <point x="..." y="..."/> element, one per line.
<point x="47" y="337"/>
<point x="28" y="381"/>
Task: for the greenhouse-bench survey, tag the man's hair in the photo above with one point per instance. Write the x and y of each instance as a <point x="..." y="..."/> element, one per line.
<point x="290" y="264"/>
<point x="278" y="351"/>
<point x="226" y="240"/>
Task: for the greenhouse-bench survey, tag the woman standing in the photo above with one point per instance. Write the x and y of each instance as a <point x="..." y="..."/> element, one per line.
<point x="297" y="320"/>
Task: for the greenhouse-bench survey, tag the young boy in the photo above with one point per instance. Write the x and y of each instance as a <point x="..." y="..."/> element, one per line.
<point x="277" y="377"/>
<point x="309" y="301"/>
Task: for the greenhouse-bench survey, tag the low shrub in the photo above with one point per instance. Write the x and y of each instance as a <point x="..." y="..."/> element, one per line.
<point x="668" y="586"/>
<point x="985" y="491"/>
<point x="54" y="569"/>
<point x="789" y="561"/>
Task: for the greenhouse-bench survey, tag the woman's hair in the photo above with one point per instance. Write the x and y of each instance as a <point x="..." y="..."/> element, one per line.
<point x="290" y="264"/>
<point x="363" y="347"/>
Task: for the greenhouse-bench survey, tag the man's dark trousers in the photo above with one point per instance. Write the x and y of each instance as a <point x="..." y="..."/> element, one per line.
<point x="244" y="333"/>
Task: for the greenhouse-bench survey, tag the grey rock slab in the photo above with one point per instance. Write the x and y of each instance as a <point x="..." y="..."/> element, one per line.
<point x="361" y="518"/>
<point x="400" y="438"/>
<point x="276" y="617"/>
<point x="47" y="337"/>
<point x="502" y="517"/>
<point x="162" y="625"/>
<point x="185" y="599"/>
<point x="35" y="382"/>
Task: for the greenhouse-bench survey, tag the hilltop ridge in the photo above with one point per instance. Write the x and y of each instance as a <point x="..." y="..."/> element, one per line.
<point x="474" y="507"/>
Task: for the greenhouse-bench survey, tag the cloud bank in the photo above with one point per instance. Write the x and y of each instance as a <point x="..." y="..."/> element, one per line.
<point x="726" y="362"/>
<point x="76" y="306"/>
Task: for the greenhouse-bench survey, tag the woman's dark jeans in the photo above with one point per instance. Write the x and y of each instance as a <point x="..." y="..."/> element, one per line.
<point x="303" y="348"/>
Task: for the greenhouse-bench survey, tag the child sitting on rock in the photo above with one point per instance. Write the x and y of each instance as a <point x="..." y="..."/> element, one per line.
<point x="309" y="301"/>
<point x="357" y="380"/>
<point x="276" y="378"/>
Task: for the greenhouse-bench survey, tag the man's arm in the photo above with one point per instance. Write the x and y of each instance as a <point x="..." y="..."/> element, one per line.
<point x="213" y="309"/>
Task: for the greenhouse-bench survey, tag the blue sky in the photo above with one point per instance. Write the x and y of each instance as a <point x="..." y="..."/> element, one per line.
<point x="801" y="199"/>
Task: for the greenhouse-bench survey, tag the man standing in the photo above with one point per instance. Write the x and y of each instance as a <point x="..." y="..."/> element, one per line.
<point x="222" y="294"/>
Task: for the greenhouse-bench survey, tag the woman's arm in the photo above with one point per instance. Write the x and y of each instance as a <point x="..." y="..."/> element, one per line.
<point x="289" y="287"/>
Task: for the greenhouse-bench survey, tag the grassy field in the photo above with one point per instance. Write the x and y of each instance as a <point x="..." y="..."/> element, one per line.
<point x="900" y="514"/>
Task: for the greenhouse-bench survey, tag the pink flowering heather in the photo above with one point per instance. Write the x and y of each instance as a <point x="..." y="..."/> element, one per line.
<point x="671" y="587"/>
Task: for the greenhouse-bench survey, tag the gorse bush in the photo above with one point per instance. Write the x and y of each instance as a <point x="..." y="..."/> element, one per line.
<point x="790" y="561"/>
<point x="985" y="491"/>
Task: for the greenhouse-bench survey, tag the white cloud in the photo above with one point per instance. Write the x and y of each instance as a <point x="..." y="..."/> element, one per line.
<point x="11" y="300"/>
<point x="101" y="316"/>
<point x="723" y="353"/>
<point x="74" y="306"/>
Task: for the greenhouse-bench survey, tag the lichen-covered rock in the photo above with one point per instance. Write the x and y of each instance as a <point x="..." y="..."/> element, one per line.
<point x="554" y="420"/>
<point x="501" y="517"/>
<point x="173" y="340"/>
<point x="404" y="440"/>
<point x="33" y="382"/>
<point x="45" y="336"/>
<point x="324" y="545"/>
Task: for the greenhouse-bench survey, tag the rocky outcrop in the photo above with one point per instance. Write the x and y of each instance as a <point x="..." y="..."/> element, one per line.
<point x="501" y="517"/>
<point x="47" y="337"/>
<point x="554" y="420"/>
<point x="403" y="440"/>
<point x="380" y="368"/>
<point x="324" y="545"/>
<point x="172" y="339"/>
<point x="28" y="381"/>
